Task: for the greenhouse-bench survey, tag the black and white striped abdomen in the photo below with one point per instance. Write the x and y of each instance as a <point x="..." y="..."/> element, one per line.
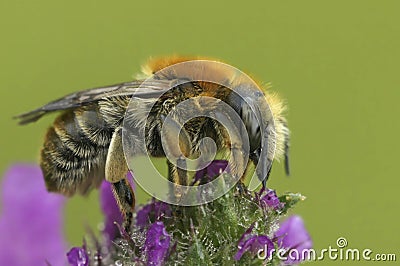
<point x="75" y="150"/>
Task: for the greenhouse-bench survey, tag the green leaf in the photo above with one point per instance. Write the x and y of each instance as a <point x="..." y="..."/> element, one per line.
<point x="289" y="200"/>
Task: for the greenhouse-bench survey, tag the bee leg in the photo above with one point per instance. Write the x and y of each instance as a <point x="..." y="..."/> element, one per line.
<point x="116" y="170"/>
<point x="286" y="148"/>
<point x="116" y="167"/>
<point x="241" y="188"/>
<point x="177" y="174"/>
<point x="125" y="198"/>
<point x="262" y="158"/>
<point x="237" y="160"/>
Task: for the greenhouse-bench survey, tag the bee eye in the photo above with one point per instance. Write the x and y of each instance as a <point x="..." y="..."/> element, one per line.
<point x="253" y="128"/>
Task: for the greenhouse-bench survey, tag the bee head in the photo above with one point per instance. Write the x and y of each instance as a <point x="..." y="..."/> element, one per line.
<point x="262" y="116"/>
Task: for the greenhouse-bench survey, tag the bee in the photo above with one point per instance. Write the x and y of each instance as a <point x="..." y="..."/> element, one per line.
<point x="84" y="144"/>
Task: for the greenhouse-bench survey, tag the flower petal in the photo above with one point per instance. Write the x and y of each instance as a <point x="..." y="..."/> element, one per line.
<point x="292" y="234"/>
<point x="157" y="244"/>
<point x="246" y="245"/>
<point x="31" y="219"/>
<point x="111" y="211"/>
<point x="253" y="244"/>
<point x="246" y="235"/>
<point x="212" y="170"/>
<point x="78" y="257"/>
<point x="217" y="167"/>
<point x="265" y="243"/>
<point x="152" y="212"/>
<point x="270" y="199"/>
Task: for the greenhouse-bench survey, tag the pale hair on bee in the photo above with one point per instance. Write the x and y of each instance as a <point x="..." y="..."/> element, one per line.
<point x="84" y="145"/>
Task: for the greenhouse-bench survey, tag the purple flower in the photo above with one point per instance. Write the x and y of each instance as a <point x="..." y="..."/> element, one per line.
<point x="112" y="213"/>
<point x="31" y="219"/>
<point x="268" y="198"/>
<point x="152" y="212"/>
<point x="211" y="171"/>
<point x="292" y="235"/>
<point x="253" y="244"/>
<point x="157" y="244"/>
<point x="78" y="257"/>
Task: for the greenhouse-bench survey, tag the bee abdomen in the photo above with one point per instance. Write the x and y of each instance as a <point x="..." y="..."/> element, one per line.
<point x="73" y="157"/>
<point x="94" y="126"/>
<point x="60" y="155"/>
<point x="71" y="135"/>
<point x="59" y="165"/>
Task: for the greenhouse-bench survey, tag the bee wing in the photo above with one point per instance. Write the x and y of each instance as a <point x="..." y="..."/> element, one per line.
<point x="139" y="88"/>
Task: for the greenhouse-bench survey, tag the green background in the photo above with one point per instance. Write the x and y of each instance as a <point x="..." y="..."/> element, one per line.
<point x="335" y="62"/>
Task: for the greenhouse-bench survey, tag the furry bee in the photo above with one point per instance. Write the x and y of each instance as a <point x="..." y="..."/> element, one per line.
<point x="84" y="144"/>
